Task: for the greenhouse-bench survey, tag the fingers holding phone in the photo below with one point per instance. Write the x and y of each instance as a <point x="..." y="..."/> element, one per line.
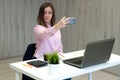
<point x="65" y="21"/>
<point x="71" y="21"/>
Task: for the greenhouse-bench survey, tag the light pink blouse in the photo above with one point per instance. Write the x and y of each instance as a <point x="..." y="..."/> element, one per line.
<point x="47" y="40"/>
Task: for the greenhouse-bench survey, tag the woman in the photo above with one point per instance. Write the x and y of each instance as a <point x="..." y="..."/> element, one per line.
<point x="47" y="33"/>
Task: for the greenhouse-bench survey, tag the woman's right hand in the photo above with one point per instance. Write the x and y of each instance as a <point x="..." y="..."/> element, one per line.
<point x="62" y="23"/>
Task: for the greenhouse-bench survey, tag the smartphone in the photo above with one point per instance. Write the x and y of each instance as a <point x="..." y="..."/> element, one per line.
<point x="72" y="20"/>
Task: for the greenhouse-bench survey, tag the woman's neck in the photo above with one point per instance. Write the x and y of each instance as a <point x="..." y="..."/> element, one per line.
<point x="48" y="24"/>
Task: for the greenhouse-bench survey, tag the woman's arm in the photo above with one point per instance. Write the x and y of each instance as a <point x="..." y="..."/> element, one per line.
<point x="42" y="32"/>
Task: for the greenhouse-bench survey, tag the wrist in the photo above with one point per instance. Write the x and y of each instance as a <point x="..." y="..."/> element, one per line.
<point x="56" y="26"/>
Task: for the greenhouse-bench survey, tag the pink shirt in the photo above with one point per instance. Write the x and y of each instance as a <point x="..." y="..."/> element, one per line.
<point x="47" y="40"/>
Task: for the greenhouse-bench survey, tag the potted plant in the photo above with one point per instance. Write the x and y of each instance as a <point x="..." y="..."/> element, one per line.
<point x="53" y="60"/>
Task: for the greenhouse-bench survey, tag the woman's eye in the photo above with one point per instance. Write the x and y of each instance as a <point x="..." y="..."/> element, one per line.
<point x="44" y="12"/>
<point x="50" y="12"/>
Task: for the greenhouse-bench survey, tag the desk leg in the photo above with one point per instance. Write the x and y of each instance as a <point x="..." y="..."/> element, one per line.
<point x="90" y="76"/>
<point x="17" y="76"/>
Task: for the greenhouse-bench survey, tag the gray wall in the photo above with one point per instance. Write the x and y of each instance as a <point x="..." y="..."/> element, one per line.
<point x="17" y="20"/>
<point x="95" y="20"/>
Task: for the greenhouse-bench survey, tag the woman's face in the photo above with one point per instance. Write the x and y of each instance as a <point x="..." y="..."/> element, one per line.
<point x="48" y="15"/>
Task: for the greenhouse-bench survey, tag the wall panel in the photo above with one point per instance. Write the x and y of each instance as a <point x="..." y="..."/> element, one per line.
<point x="17" y="20"/>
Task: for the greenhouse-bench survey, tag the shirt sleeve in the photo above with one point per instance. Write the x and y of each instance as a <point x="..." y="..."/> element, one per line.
<point x="42" y="32"/>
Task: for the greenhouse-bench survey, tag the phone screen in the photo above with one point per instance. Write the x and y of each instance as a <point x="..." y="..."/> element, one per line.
<point x="72" y="20"/>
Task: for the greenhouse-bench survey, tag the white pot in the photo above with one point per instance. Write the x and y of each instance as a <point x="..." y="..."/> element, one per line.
<point x="53" y="68"/>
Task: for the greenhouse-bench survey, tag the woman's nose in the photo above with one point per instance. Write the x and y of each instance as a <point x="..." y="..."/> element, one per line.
<point x="47" y="15"/>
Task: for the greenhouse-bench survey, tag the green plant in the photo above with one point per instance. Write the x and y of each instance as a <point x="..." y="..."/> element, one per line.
<point x="53" y="58"/>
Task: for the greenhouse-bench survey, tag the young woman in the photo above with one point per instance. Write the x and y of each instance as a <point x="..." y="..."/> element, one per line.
<point x="47" y="32"/>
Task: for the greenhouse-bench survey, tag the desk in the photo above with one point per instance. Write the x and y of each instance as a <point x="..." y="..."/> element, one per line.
<point x="66" y="70"/>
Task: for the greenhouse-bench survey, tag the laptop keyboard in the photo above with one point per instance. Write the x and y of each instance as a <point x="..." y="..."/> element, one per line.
<point x="77" y="60"/>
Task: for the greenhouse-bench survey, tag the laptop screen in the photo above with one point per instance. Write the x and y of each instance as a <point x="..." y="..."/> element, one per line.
<point x="98" y="52"/>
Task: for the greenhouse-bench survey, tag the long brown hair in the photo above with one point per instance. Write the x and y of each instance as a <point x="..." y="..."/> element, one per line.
<point x="40" y="17"/>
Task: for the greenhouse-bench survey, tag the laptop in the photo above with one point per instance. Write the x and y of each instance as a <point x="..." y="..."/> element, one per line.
<point x="96" y="52"/>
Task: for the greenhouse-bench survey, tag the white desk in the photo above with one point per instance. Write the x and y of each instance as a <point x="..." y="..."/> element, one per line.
<point x="66" y="71"/>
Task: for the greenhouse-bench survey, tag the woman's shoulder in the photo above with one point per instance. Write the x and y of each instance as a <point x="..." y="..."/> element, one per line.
<point x="39" y="26"/>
